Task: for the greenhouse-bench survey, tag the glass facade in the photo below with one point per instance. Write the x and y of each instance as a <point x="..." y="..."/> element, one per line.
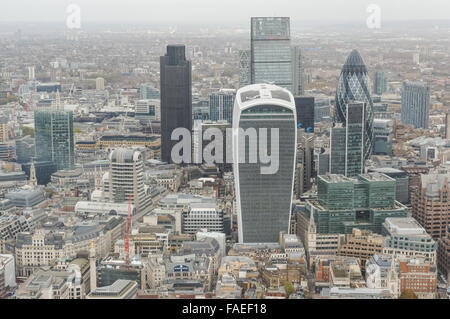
<point x="265" y="200"/>
<point x="271" y="56"/>
<point x="221" y="105"/>
<point x="415" y="104"/>
<point x="54" y="137"/>
<point x="244" y="68"/>
<point x="354" y="85"/>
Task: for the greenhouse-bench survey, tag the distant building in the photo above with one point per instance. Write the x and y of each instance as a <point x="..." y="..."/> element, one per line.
<point x="244" y="68"/>
<point x="304" y="106"/>
<point x="54" y="137"/>
<point x="202" y="216"/>
<point x="148" y="92"/>
<point x="221" y="105"/>
<point x="99" y="84"/>
<point x="380" y="83"/>
<point x="176" y="96"/>
<point x="298" y="77"/>
<point x="271" y="60"/>
<point x="382" y="131"/>
<point x="415" y="104"/>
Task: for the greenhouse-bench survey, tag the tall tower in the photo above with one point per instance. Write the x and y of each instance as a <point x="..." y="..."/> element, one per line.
<point x="354" y="85"/>
<point x="126" y="178"/>
<point x="415" y="104"/>
<point x="264" y="196"/>
<point x="347" y="142"/>
<point x="54" y="137"/>
<point x="176" y="96"/>
<point x="271" y="56"/>
<point x="92" y="267"/>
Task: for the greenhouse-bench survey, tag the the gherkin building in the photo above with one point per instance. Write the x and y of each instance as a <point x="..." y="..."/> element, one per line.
<point x="354" y="85"/>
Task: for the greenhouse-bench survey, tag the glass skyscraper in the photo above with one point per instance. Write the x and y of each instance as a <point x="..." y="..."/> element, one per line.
<point x="346" y="142"/>
<point x="244" y="68"/>
<point x="54" y="137"/>
<point x="176" y="96"/>
<point x="263" y="200"/>
<point x="415" y="104"/>
<point x="271" y="56"/>
<point x="221" y="105"/>
<point x="354" y="85"/>
<point x="380" y="85"/>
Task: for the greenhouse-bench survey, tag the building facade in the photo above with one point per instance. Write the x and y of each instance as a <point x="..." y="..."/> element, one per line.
<point x="415" y="104"/>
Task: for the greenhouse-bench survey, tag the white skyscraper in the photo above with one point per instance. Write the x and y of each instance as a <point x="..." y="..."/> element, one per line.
<point x="264" y="187"/>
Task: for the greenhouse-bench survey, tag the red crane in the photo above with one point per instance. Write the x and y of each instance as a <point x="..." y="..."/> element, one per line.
<point x="127" y="234"/>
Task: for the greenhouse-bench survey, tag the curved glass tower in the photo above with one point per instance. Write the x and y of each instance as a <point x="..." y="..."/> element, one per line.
<point x="263" y="198"/>
<point x="354" y="85"/>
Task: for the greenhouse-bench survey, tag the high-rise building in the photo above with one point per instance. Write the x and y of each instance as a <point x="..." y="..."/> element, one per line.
<point x="431" y="204"/>
<point x="176" y="96"/>
<point x="148" y="110"/>
<point x="264" y="194"/>
<point x="380" y="83"/>
<point x="354" y="85"/>
<point x="297" y="72"/>
<point x="382" y="131"/>
<point x="99" y="84"/>
<point x="443" y="260"/>
<point x="346" y="203"/>
<point x="304" y="106"/>
<point x="305" y="163"/>
<point x="271" y="60"/>
<point x="415" y="104"/>
<point x="125" y="178"/>
<point x="54" y="137"/>
<point x="244" y="68"/>
<point x="221" y="105"/>
<point x="346" y="142"/>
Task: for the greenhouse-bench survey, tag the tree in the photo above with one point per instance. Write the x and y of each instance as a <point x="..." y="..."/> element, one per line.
<point x="408" y="294"/>
<point x="289" y="288"/>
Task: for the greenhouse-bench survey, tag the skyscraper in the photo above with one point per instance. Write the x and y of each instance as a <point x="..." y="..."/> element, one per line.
<point x="415" y="104"/>
<point x="263" y="198"/>
<point x="304" y="106"/>
<point x="380" y="85"/>
<point x="221" y="105"/>
<point x="346" y="142"/>
<point x="297" y="72"/>
<point x="54" y="137"/>
<point x="244" y="68"/>
<point x="125" y="178"/>
<point x="354" y="85"/>
<point x="271" y="60"/>
<point x="176" y="96"/>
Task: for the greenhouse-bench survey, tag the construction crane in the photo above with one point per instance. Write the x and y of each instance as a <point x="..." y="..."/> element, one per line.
<point x="127" y="234"/>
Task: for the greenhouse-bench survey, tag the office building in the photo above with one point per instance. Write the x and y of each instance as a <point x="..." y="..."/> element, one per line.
<point x="244" y="68"/>
<point x="347" y="142"/>
<point x="149" y="92"/>
<point x="126" y="178"/>
<point x="200" y="216"/>
<point x="221" y="105"/>
<point x="176" y="96"/>
<point x="418" y="276"/>
<point x="431" y="204"/>
<point x="304" y="106"/>
<point x="121" y="289"/>
<point x="361" y="244"/>
<point x="264" y="191"/>
<point x="148" y="110"/>
<point x="443" y="260"/>
<point x="380" y="83"/>
<point x="354" y="85"/>
<point x="401" y="180"/>
<point x="271" y="60"/>
<point x="382" y="135"/>
<point x="99" y="84"/>
<point x="345" y="203"/>
<point x="54" y="137"/>
<point x="447" y="126"/>
<point x="305" y="169"/>
<point x="405" y="237"/>
<point x="298" y="87"/>
<point x="415" y="104"/>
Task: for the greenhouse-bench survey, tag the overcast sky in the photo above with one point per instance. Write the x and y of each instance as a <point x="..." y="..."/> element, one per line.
<point x="218" y="11"/>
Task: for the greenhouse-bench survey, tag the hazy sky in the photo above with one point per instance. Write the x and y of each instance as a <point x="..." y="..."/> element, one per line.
<point x="218" y="11"/>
